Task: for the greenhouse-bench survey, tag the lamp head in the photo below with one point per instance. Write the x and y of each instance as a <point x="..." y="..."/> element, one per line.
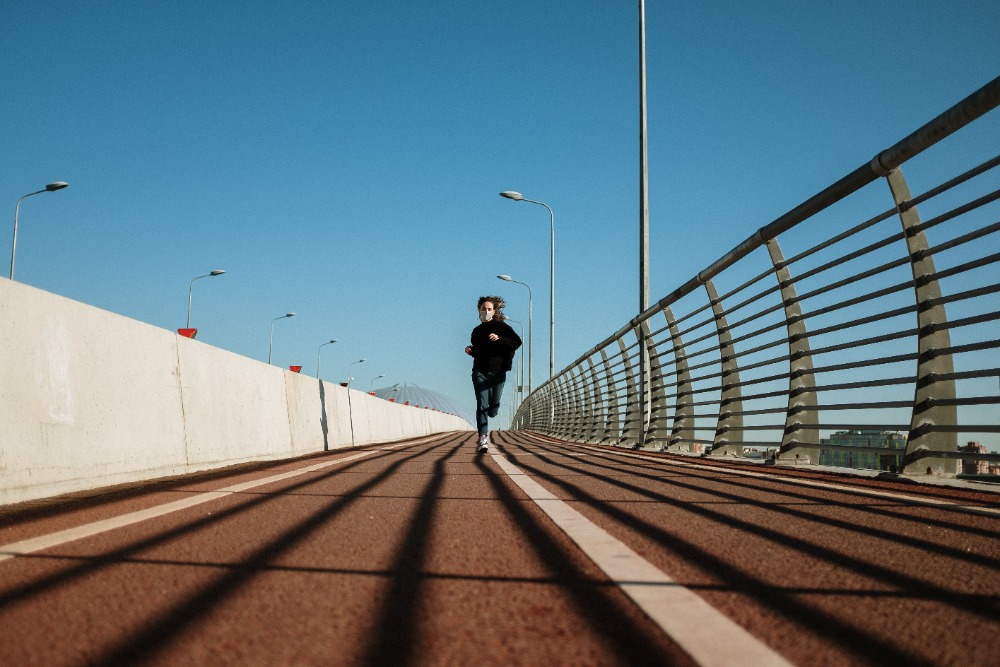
<point x="333" y="341"/>
<point x="217" y="272"/>
<point x="505" y="277"/>
<point x="58" y="185"/>
<point x="290" y="314"/>
<point x="510" y="194"/>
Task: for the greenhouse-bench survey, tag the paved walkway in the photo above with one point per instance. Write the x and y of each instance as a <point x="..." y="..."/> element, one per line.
<point x="540" y="553"/>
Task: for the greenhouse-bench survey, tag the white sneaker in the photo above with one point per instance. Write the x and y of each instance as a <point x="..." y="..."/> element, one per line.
<point x="484" y="443"/>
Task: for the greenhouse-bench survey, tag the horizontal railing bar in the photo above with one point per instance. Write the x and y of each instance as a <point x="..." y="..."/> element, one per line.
<point x="850" y="324"/>
<point x="883" y="382"/>
<point x="962" y="240"/>
<point x="966" y="295"/>
<point x="959" y="269"/>
<point x="969" y="400"/>
<point x="968" y="375"/>
<point x="967" y="456"/>
<point x="968" y="321"/>
<point x="855" y="278"/>
<point x="862" y="363"/>
<point x="962" y="428"/>
<point x="873" y="340"/>
<point x="885" y="405"/>
<point x="865" y="449"/>
<point x="901" y="428"/>
<point x="956" y="212"/>
<point x="857" y="229"/>
<point x="949" y="184"/>
<point x="861" y="252"/>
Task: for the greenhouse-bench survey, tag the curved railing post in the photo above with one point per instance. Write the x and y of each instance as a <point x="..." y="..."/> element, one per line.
<point x="657" y="435"/>
<point x="596" y="413"/>
<point x="682" y="433"/>
<point x="800" y="441"/>
<point x="612" y="430"/>
<point x="576" y="399"/>
<point x="730" y="403"/>
<point x="934" y="367"/>
<point x="634" y="409"/>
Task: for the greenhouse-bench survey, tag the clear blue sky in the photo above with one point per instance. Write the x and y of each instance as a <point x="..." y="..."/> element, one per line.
<point x="342" y="159"/>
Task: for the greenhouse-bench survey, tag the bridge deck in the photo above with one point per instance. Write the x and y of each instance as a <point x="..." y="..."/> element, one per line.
<point x="424" y="553"/>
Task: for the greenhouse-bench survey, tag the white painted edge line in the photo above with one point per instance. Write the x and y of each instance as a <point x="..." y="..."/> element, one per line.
<point x="707" y="635"/>
<point x="933" y="502"/>
<point x="34" y="544"/>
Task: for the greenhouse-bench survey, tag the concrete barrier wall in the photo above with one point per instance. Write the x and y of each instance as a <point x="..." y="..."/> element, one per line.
<point x="90" y="399"/>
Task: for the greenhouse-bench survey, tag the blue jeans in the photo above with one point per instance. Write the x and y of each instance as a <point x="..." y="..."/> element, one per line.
<point x="489" y="388"/>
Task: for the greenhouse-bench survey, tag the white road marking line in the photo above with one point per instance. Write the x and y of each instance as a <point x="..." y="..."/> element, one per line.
<point x="88" y="530"/>
<point x="707" y="635"/>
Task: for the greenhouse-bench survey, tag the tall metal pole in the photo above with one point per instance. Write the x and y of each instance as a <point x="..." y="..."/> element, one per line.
<point x="530" y="323"/>
<point x="552" y="292"/>
<point x="643" y="215"/>
<point x="643" y="169"/>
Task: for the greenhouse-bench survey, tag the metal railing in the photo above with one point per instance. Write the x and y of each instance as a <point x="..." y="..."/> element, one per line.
<point x="841" y="348"/>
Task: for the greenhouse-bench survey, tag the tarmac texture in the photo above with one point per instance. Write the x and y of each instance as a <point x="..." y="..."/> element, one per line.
<point x="538" y="552"/>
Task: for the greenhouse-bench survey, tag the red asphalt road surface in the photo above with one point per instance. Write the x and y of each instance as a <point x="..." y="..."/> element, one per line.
<point x="424" y="552"/>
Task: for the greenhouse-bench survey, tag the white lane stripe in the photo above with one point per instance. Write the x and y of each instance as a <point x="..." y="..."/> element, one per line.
<point x="708" y="636"/>
<point x="934" y="502"/>
<point x="88" y="530"/>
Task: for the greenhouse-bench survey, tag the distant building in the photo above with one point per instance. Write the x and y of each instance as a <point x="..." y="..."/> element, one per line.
<point x="836" y="450"/>
<point x="972" y="466"/>
<point x="412" y="395"/>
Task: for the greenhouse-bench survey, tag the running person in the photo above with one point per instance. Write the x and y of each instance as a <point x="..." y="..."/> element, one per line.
<point x="492" y="350"/>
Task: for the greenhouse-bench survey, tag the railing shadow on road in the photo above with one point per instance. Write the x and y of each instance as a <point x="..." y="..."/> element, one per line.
<point x="159" y="632"/>
<point x="597" y="601"/>
<point x="776" y="595"/>
<point x="394" y="639"/>
<point x="860" y="499"/>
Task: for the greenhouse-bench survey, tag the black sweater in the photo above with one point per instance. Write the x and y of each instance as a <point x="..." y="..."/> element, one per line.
<point x="489" y="355"/>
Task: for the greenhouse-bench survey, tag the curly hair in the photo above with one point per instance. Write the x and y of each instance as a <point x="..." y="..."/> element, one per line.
<point x="498" y="304"/>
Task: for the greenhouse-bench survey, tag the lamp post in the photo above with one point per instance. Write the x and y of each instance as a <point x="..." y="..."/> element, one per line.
<point x="350" y="408"/>
<point x="516" y="196"/>
<point x="51" y="187"/>
<point x="331" y="342"/>
<point x="520" y="381"/>
<point x="530" y="328"/>
<point x="217" y="272"/>
<point x="372" y="383"/>
<point x="270" y="343"/>
<point x="352" y="364"/>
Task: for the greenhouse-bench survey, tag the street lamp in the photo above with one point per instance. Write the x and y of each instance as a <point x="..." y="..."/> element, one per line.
<point x="519" y="375"/>
<point x="370" y="384"/>
<point x="350" y="408"/>
<point x="349" y="378"/>
<point x="51" y="187"/>
<point x="270" y="343"/>
<point x="217" y="272"/>
<point x="516" y="196"/>
<point x="509" y="279"/>
<point x="318" y="352"/>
